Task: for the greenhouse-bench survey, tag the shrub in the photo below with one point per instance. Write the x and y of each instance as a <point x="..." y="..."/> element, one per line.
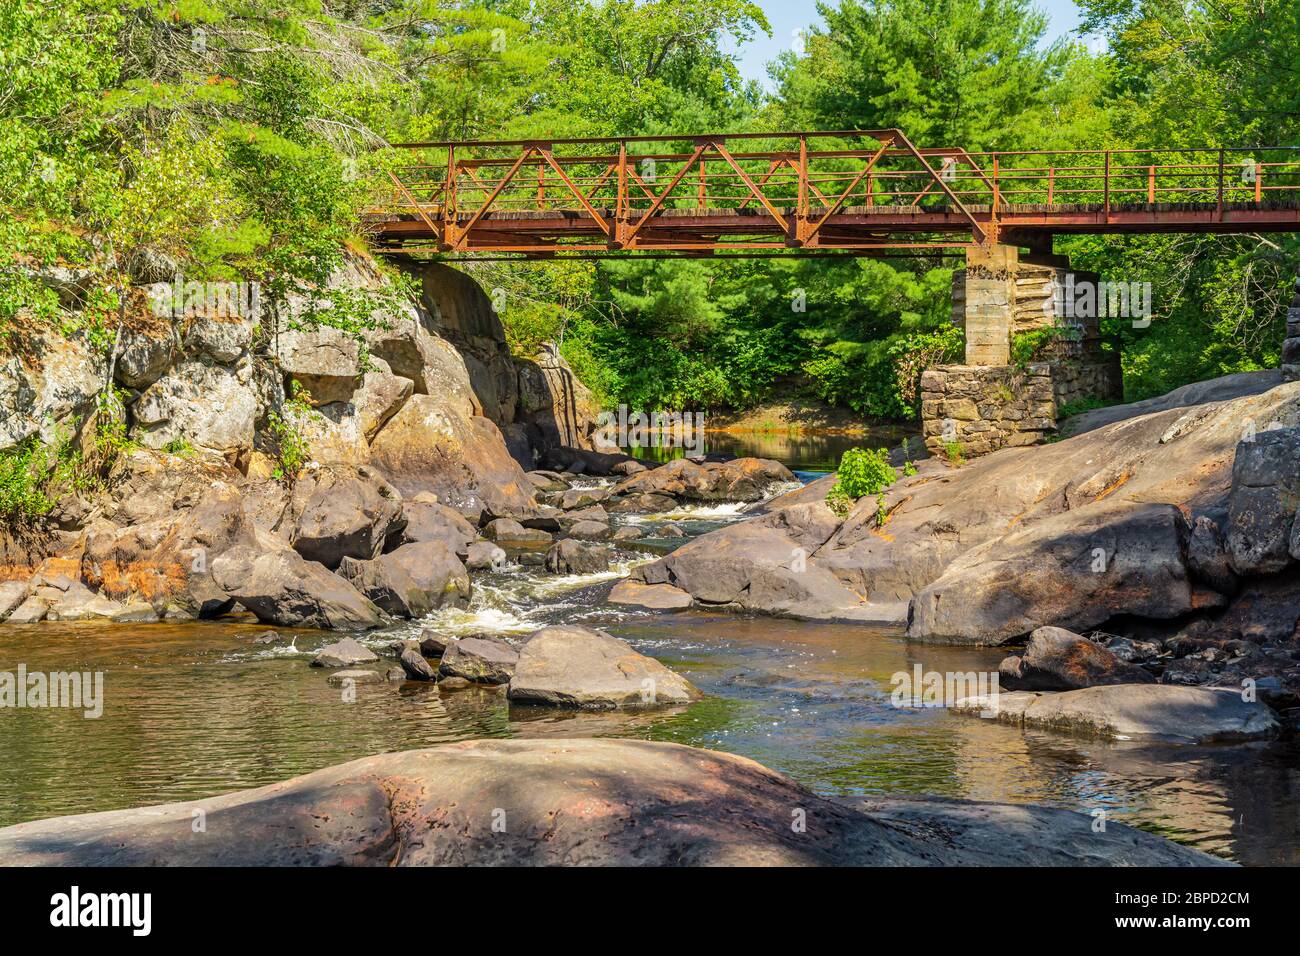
<point x="291" y="450"/>
<point x="861" y="473"/>
<point x="24" y="474"/>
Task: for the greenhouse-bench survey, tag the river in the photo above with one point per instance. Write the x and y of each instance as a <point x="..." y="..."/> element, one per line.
<point x="199" y="709"/>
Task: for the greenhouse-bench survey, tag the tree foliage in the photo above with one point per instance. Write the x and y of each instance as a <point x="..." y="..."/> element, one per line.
<point x="236" y="139"/>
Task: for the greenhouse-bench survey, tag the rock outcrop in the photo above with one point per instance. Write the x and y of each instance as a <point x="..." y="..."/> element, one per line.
<point x="555" y="408"/>
<point x="429" y="446"/>
<point x="1264" y="501"/>
<point x="1123" y="496"/>
<point x="574" y="802"/>
<point x="412" y="406"/>
<point x="1075" y="571"/>
<point x="587" y="669"/>
<point x="47" y="387"/>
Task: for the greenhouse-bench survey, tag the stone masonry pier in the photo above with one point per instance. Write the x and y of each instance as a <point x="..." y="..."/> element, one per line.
<point x="998" y="399"/>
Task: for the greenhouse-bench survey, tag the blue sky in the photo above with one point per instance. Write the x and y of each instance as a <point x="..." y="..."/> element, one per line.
<point x="787" y="16"/>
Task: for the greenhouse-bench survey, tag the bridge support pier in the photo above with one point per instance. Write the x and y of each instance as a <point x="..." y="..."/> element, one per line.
<point x="1291" y="347"/>
<point x="1029" y="353"/>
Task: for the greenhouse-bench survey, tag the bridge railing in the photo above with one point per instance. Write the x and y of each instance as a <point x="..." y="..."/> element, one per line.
<point x="1146" y="176"/>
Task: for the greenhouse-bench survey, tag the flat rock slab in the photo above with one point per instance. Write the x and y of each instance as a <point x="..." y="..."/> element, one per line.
<point x="656" y="597"/>
<point x="345" y="653"/>
<point x="572" y="802"/>
<point x="356" y="676"/>
<point x="1181" y="714"/>
<point x="1016" y="835"/>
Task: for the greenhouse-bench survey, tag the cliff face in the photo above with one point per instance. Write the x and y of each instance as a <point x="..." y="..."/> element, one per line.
<point x="401" y="427"/>
<point x="456" y="308"/>
<point x="538" y="403"/>
<point x="214" y="382"/>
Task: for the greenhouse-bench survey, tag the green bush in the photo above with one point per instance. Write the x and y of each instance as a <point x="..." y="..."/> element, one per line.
<point x="861" y="473"/>
<point x="25" y="473"/>
<point x="291" y="450"/>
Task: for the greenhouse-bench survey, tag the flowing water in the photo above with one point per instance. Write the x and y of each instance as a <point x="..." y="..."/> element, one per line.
<point x="199" y="709"/>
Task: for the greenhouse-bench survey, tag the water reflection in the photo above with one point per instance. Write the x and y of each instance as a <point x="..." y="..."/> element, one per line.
<point x="814" y="451"/>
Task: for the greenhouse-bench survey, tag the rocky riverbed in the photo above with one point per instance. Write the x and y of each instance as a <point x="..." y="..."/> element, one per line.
<point x="461" y="557"/>
<point x="207" y="707"/>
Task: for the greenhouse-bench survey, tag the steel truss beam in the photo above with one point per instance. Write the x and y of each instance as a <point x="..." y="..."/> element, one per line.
<point x="777" y="193"/>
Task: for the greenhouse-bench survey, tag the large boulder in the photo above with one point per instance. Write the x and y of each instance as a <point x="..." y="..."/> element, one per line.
<point x="428" y="446"/>
<point x="168" y="562"/>
<point x="765" y="565"/>
<point x="339" y="511"/>
<point x="1057" y="659"/>
<point x="571" y="556"/>
<point x="31" y="611"/>
<point x="1264" y="500"/>
<point x="1177" y="714"/>
<point x="593" y="802"/>
<point x="414" y="666"/>
<point x="483" y="660"/>
<point x="411" y="581"/>
<point x="1074" y="571"/>
<point x="589" y="531"/>
<point x="655" y="597"/>
<point x="742" y="479"/>
<point x="559" y="409"/>
<point x="578" y="667"/>
<point x="12" y="595"/>
<point x="509" y="533"/>
<point x="326" y="362"/>
<point x="199" y="403"/>
<point x="432" y="521"/>
<point x="484" y="556"/>
<point x="281" y="587"/>
<point x="345" y="653"/>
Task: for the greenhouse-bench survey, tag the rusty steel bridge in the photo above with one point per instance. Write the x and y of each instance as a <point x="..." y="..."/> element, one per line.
<point x="858" y="193"/>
